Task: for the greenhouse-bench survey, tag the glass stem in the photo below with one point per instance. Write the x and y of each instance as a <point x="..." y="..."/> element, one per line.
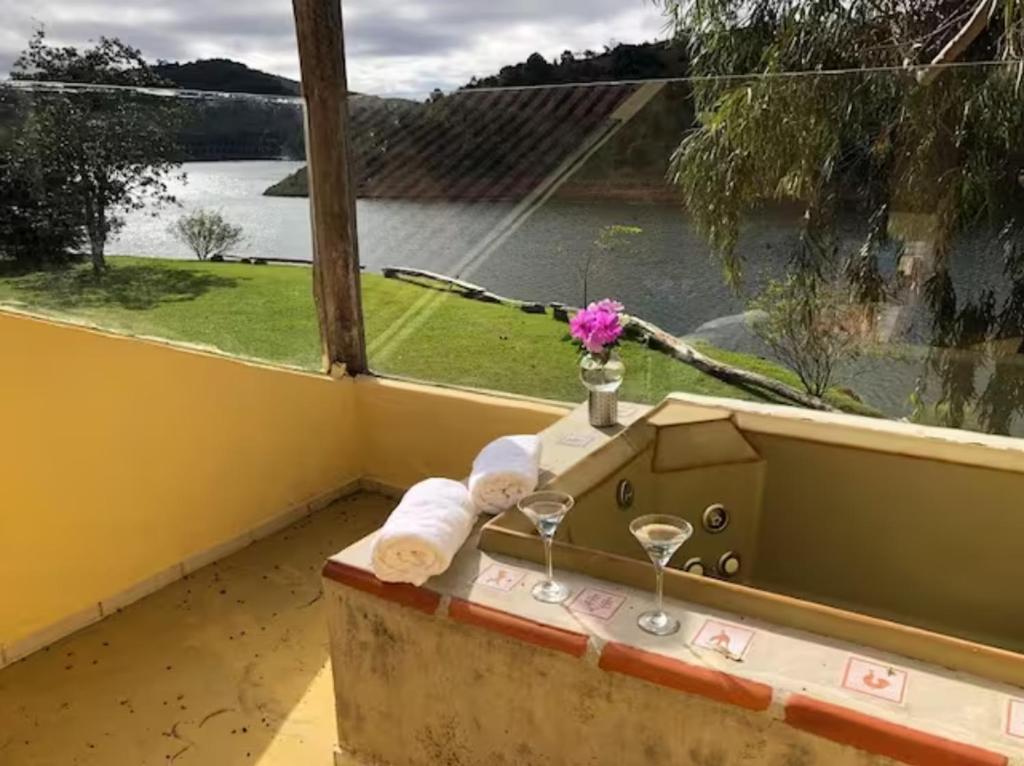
<point x="659" y="573"/>
<point x="547" y="558"/>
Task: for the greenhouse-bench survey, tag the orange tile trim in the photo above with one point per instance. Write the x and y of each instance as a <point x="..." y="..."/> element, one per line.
<point x="675" y="674"/>
<point x="421" y="599"/>
<point x="874" y="735"/>
<point x="520" y="628"/>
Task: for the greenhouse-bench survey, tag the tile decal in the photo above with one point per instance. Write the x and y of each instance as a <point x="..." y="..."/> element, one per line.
<point x="576" y="440"/>
<point x="597" y="603"/>
<point x="875" y="679"/>
<point x="731" y="640"/>
<point x="1015" y="719"/>
<point x="501" y="577"/>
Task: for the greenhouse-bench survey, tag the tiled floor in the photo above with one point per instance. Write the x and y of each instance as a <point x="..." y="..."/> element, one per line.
<point x="224" y="668"/>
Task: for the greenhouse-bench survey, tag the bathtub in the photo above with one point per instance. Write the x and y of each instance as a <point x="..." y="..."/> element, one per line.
<point x="903" y="538"/>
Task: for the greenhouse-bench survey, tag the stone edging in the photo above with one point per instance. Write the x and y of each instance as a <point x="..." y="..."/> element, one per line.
<point x="829" y="721"/>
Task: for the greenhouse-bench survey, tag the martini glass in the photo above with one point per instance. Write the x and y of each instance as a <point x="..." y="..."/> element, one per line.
<point x="661" y="537"/>
<point x="546" y="510"/>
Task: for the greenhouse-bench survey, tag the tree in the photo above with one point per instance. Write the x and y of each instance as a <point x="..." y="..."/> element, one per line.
<point x="616" y="238"/>
<point x="922" y="155"/>
<point x="206" y="233"/>
<point x="40" y="220"/>
<point x="810" y="326"/>
<point x="119" y="147"/>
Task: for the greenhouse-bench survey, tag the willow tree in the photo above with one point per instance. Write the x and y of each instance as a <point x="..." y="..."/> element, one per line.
<point x="867" y="106"/>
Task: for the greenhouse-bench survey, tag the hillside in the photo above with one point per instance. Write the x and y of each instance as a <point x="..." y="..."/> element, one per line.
<point x="225" y="76"/>
<point x="242" y="127"/>
<point x="642" y="61"/>
<point x="501" y="136"/>
<point x="471" y="145"/>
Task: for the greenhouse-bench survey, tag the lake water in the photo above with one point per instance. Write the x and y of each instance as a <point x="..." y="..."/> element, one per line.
<point x="667" y="276"/>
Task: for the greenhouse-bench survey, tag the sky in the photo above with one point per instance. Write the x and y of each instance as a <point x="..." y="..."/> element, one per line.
<point x="394" y="47"/>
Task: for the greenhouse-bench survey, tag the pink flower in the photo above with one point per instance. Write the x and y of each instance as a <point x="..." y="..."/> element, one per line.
<point x="598" y="326"/>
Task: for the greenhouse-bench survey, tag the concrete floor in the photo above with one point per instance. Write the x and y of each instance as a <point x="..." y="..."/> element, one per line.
<point x="226" y="667"/>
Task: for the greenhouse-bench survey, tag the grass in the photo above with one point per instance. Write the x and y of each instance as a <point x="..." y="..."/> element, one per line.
<point x="266" y="312"/>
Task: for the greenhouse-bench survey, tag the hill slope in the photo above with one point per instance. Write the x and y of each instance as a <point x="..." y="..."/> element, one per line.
<point x="226" y="76"/>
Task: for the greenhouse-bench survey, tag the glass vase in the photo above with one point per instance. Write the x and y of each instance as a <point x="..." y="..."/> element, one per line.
<point x="602" y="375"/>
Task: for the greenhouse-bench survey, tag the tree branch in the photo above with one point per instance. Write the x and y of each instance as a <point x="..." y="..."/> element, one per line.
<point x="654" y="336"/>
<point x="961" y="41"/>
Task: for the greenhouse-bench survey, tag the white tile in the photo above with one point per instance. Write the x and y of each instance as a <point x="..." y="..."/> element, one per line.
<point x="1015" y="718"/>
<point x="141" y="589"/>
<point x="500" y="577"/>
<point x="875" y="679"/>
<point x="730" y="640"/>
<point x="601" y="604"/>
<point x="577" y="439"/>
<point x="18" y="649"/>
<point x="216" y="553"/>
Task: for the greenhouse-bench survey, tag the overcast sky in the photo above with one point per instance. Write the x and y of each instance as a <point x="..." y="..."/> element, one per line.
<point x="395" y="47"/>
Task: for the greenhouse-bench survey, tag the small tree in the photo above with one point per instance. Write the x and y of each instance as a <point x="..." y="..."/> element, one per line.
<point x="810" y="325"/>
<point x="610" y="239"/>
<point x="206" y="233"/>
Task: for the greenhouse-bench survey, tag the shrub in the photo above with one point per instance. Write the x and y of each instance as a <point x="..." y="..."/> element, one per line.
<point x="811" y="326"/>
<point x="206" y="233"/>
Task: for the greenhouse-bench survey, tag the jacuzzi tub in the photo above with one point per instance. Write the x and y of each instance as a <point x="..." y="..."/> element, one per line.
<point x="903" y="538"/>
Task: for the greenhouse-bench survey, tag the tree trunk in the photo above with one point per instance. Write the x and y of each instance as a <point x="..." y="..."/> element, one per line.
<point x="96" y="228"/>
<point x="99" y="263"/>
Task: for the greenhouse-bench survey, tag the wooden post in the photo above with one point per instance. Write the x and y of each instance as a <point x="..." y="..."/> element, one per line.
<point x="320" y="35"/>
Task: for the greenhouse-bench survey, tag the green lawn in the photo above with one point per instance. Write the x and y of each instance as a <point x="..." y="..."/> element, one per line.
<point x="266" y="312"/>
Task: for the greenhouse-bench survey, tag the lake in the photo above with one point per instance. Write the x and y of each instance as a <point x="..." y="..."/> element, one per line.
<point x="666" y="275"/>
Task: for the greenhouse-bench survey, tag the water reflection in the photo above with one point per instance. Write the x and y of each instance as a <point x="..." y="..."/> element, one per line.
<point x="904" y="193"/>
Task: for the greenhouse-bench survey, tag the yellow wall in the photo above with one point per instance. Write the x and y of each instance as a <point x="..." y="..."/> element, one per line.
<point x="121" y="458"/>
<point x="410" y="432"/>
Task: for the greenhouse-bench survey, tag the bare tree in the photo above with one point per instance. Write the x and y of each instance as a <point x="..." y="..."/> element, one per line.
<point x="206" y="233"/>
<point x="811" y="326"/>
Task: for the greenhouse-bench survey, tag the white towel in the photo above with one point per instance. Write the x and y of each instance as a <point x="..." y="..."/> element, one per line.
<point x="505" y="471"/>
<point x="425" y="531"/>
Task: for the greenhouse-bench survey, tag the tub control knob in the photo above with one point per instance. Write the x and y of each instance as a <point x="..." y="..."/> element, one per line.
<point x="715" y="518"/>
<point x="729" y="564"/>
<point x="694" y="566"/>
<point x="624" y="494"/>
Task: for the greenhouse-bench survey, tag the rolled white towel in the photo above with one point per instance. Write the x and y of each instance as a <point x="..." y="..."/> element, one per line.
<point x="423" y="534"/>
<point x="506" y="470"/>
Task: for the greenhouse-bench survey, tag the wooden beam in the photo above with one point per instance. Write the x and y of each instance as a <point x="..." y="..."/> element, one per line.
<point x="320" y="35"/>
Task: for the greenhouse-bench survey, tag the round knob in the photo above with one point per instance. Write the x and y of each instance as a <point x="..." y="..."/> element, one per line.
<point x="729" y="564"/>
<point x="694" y="566"/>
<point x="624" y="494"/>
<point x="715" y="518"/>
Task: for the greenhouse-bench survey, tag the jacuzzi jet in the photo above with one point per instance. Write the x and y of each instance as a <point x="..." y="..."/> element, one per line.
<point x="694" y="566"/>
<point x="715" y="518"/>
<point x="729" y="564"/>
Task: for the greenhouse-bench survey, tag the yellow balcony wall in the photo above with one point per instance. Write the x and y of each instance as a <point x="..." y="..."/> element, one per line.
<point x="126" y="462"/>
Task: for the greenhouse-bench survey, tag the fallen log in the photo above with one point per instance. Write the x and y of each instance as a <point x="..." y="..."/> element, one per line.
<point x="465" y="289"/>
<point x="640" y="329"/>
<point x="687" y="354"/>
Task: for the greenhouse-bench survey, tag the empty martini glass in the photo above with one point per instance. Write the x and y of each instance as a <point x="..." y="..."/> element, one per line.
<point x="546" y="510"/>
<point x="661" y="537"/>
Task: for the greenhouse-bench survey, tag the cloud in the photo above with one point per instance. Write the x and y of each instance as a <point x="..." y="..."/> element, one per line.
<point x="401" y="47"/>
